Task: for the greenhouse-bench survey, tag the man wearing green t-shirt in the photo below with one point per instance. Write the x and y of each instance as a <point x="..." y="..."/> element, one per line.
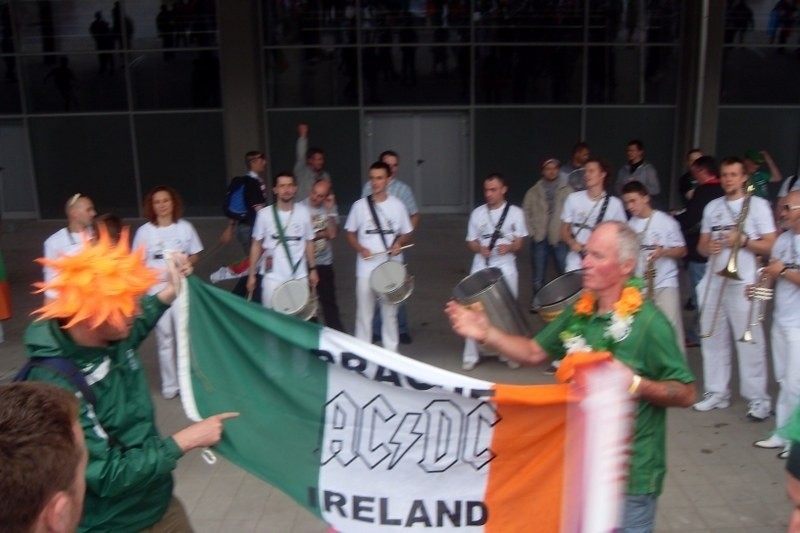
<point x="660" y="377"/>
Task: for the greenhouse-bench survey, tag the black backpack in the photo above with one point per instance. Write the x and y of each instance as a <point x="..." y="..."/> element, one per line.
<point x="235" y="206"/>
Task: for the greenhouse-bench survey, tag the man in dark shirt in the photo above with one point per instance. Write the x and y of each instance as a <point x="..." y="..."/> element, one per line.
<point x="706" y="171"/>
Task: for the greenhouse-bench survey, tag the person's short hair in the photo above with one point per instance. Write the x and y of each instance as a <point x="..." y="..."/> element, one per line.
<point x="694" y="151"/>
<point x="177" y="203"/>
<point x="496" y="176"/>
<point x="731" y="160"/>
<point x="39" y="454"/>
<point x="707" y="163"/>
<point x="251" y="156"/>
<point x="311" y="152"/>
<point x="284" y="174"/>
<point x="637" y="143"/>
<point x="112" y="223"/>
<point x="627" y="240"/>
<point x="381" y="165"/>
<point x="388" y="153"/>
<point x="635" y="186"/>
<point x="580" y="146"/>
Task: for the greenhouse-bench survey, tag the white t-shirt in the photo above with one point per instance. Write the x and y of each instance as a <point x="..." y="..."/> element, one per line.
<point x="180" y="236"/>
<point x="297" y="230"/>
<point x="394" y="223"/>
<point x="582" y="213"/>
<point x="62" y="242"/>
<point x="323" y="251"/>
<point x="482" y="223"/>
<point x="787" y="294"/>
<point x="658" y="230"/>
<point x="720" y="217"/>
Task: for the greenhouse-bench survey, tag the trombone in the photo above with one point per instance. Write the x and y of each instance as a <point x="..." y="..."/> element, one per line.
<point x="731" y="270"/>
<point x="758" y="294"/>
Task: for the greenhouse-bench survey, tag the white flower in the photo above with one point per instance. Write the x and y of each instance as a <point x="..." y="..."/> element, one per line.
<point x="619" y="328"/>
<point x="576" y="344"/>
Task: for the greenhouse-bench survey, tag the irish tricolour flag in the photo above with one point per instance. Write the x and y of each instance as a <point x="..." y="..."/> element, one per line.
<point x="369" y="440"/>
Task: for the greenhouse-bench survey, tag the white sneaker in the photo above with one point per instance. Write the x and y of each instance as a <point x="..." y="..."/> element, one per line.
<point x="469" y="365"/>
<point x="513" y="365"/>
<point x="711" y="401"/>
<point x="773" y="442"/>
<point x="758" y="410"/>
<point x="784" y="454"/>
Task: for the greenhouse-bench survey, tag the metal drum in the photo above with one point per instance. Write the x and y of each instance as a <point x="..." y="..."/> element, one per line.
<point x="558" y="294"/>
<point x="488" y="289"/>
<point x="391" y="282"/>
<point x="294" y="298"/>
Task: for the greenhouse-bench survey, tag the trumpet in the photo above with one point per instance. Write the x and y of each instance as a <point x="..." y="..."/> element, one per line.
<point x="758" y="294"/>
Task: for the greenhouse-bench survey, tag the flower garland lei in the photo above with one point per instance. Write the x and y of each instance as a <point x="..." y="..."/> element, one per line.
<point x="618" y="329"/>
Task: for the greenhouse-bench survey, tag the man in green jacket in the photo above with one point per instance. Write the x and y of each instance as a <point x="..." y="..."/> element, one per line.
<point x="97" y="322"/>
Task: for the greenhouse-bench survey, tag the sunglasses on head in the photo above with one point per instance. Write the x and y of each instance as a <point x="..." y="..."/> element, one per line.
<point x="790" y="207"/>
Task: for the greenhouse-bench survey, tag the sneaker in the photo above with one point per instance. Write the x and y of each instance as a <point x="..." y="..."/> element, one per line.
<point x="169" y="395"/>
<point x="469" y="365"/>
<point x="784" y="454"/>
<point x="771" y="443"/>
<point x="758" y="410"/>
<point x="551" y="370"/>
<point x="711" y="401"/>
<point x="405" y="338"/>
<point x="513" y="365"/>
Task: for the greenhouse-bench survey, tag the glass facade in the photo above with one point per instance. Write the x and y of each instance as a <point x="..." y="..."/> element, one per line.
<point x="122" y="93"/>
<point x="131" y="91"/>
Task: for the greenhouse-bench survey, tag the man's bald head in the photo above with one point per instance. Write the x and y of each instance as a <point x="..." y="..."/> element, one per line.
<point x="80" y="212"/>
<point x="319" y="192"/>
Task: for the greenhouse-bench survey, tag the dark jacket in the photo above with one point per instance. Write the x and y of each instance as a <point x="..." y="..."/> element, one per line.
<point x="691" y="219"/>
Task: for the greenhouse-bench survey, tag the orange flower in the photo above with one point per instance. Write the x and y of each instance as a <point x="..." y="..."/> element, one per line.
<point x="629" y="303"/>
<point x="585" y="306"/>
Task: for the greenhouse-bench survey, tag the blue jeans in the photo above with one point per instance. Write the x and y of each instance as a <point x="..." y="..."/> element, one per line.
<point x="696" y="272"/>
<point x="540" y="251"/>
<point x="402" y="321"/>
<point x="640" y="513"/>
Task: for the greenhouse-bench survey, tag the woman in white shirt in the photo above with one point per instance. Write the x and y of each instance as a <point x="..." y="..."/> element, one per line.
<point x="166" y="232"/>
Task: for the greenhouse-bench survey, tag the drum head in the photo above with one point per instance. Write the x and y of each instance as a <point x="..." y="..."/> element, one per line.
<point x="291" y="297"/>
<point x="387" y="277"/>
<point x="559" y="293"/>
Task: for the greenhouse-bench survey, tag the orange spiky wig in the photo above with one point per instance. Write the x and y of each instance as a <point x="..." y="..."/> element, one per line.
<point x="101" y="283"/>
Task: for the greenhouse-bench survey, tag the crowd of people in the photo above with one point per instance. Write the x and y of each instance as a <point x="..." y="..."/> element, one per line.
<point x="102" y="298"/>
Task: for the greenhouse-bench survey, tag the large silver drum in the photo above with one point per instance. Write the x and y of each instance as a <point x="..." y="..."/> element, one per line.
<point x="487" y="289"/>
<point x="557" y="295"/>
<point x="391" y="282"/>
<point x="294" y="298"/>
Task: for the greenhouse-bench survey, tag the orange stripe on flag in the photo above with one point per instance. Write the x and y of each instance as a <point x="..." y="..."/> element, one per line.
<point x="526" y="479"/>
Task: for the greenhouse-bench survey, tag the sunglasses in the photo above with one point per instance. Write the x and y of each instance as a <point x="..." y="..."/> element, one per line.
<point x="790" y="207"/>
<point x="73" y="199"/>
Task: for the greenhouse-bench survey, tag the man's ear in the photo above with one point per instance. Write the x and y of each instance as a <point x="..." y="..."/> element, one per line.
<point x="628" y="267"/>
<point x="55" y="517"/>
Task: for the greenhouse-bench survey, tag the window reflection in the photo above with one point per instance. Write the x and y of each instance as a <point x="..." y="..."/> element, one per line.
<point x="73" y="83"/>
<point x="311" y="76"/>
<point x="632" y="75"/>
<point x="528" y="74"/>
<point x="179" y="80"/>
<point x="522" y="21"/>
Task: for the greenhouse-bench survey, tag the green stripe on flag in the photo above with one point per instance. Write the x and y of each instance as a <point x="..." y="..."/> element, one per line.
<point x="261" y="362"/>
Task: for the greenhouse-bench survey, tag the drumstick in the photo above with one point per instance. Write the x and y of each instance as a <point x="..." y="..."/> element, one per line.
<point x="376" y="254"/>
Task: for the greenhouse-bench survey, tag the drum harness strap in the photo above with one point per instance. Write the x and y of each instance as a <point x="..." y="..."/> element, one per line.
<point x="497" y="228"/>
<point x="282" y="237"/>
<point x="583" y="224"/>
<point x="377" y="221"/>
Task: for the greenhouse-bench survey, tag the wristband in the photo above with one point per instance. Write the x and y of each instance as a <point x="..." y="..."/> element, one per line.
<point x="746" y="241"/>
<point x="783" y="272"/>
<point x="312" y="268"/>
<point x="635" y="382"/>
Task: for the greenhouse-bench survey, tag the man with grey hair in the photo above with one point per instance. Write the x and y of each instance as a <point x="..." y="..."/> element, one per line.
<point x="659" y="376"/>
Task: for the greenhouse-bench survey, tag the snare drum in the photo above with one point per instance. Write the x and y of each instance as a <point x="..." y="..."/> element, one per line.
<point x="391" y="282"/>
<point x="294" y="298"/>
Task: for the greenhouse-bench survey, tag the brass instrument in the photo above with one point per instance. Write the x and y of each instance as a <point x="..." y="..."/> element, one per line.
<point x="650" y="277"/>
<point x="731" y="270"/>
<point x="758" y="295"/>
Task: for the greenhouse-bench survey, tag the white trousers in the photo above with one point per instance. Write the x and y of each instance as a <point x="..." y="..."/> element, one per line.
<point x="731" y="322"/>
<point x="365" y="308"/>
<point x="668" y="299"/>
<point x="786" y="360"/>
<point x="167" y="352"/>
<point x="471" y="351"/>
